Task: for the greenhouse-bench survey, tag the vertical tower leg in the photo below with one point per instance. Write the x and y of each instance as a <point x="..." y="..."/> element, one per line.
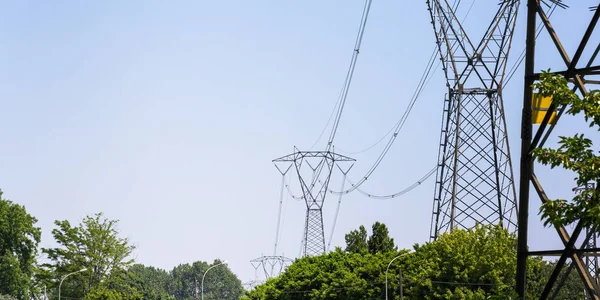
<point x="314" y="238"/>
<point x="476" y="185"/>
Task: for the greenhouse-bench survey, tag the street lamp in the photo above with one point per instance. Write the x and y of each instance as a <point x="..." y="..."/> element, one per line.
<point x="386" y="274"/>
<point x="61" y="281"/>
<point x="202" y="285"/>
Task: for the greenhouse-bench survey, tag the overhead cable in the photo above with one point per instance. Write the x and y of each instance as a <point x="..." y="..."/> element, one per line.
<point x="350" y="73"/>
<point x="521" y="57"/>
<point x="426" y="77"/>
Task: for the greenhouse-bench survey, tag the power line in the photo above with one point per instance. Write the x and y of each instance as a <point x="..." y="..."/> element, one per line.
<point x="346" y="86"/>
<point x="397" y="194"/>
<point x="433" y="55"/>
<point x="390" y="196"/>
<point x="423" y="82"/>
<point x="402" y="192"/>
<point x="340" y="103"/>
<point x="350" y="73"/>
<point x="399" y="125"/>
<point x="521" y="58"/>
<point x="431" y="59"/>
<point x="424" y="77"/>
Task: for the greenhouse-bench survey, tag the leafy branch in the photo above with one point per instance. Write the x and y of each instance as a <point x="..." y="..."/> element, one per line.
<point x="574" y="153"/>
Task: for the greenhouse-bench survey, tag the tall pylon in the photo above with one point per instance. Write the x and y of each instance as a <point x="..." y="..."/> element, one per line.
<point x="474" y="180"/>
<point x="578" y="62"/>
<point x="318" y="166"/>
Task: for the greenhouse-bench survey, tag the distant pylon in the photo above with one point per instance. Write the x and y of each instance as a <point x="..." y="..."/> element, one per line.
<point x="272" y="266"/>
<point x="474" y="182"/>
<point x="318" y="166"/>
<point x="591" y="233"/>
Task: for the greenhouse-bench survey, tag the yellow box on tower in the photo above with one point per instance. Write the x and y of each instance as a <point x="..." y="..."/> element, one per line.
<point x="539" y="107"/>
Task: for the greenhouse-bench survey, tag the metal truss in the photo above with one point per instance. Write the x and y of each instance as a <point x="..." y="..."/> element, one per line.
<point x="591" y="258"/>
<point x="591" y="233"/>
<point x="579" y="76"/>
<point x="318" y="165"/>
<point x="474" y="180"/>
<point x="249" y="285"/>
<point x="272" y="266"/>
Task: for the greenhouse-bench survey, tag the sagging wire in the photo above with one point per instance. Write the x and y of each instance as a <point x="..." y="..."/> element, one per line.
<point x="521" y="57"/>
<point x="426" y="78"/>
<point x="340" y="103"/>
<point x="337" y="212"/>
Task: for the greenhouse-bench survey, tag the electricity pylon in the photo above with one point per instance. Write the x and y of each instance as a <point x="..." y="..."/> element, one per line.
<point x="314" y="169"/>
<point x="474" y="181"/>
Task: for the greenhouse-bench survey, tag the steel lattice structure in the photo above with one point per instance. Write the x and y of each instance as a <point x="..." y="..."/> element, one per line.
<point x="474" y="180"/>
<point x="317" y="165"/>
<point x="591" y="260"/>
<point x="581" y="75"/>
<point x="591" y="234"/>
<point x="272" y="266"/>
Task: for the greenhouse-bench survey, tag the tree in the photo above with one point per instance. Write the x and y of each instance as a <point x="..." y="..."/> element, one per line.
<point x="356" y="240"/>
<point x="19" y="239"/>
<point x="336" y="275"/>
<point x="465" y="264"/>
<point x="220" y="283"/>
<point x="115" y="287"/>
<point x="357" y="273"/>
<point x="537" y="276"/>
<point x="574" y="153"/>
<point x="380" y="241"/>
<point x="151" y="282"/>
<point x="94" y="244"/>
<point x="478" y="263"/>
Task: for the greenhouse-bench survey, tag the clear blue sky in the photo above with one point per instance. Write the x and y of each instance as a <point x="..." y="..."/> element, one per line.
<point x="166" y="116"/>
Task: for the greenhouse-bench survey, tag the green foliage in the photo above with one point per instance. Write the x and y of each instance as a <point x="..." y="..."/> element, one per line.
<point x="380" y="241"/>
<point x="94" y="244"/>
<point x="19" y="239"/>
<point x="466" y="264"/>
<point x="356" y="240"/>
<point x="574" y="153"/>
<point x="152" y="283"/>
<point x="538" y="273"/>
<point x="7" y="297"/>
<point x="220" y="283"/>
<point x="115" y="287"/>
<point x="336" y="275"/>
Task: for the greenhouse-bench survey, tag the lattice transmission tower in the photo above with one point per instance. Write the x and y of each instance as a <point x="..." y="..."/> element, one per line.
<point x="580" y="66"/>
<point x="474" y="180"/>
<point x="318" y="166"/>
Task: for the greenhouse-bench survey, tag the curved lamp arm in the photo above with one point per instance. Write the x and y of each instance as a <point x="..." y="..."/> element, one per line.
<point x="388" y="267"/>
<point x="202" y="284"/>
<point x="61" y="281"/>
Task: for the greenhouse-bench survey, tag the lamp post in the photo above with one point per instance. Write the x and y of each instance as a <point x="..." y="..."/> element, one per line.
<point x="61" y="281"/>
<point x="386" y="273"/>
<point x="202" y="285"/>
